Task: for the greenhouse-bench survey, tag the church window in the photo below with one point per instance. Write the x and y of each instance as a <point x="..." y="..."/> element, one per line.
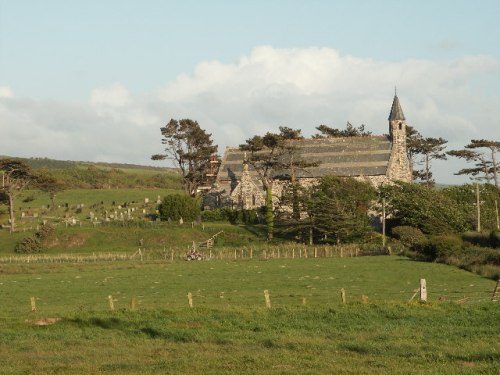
<point x="400" y="126"/>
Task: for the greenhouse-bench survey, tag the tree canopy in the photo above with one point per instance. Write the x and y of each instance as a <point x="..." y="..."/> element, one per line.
<point x="16" y="175"/>
<point x="335" y="210"/>
<point x="486" y="166"/>
<point x="350" y="131"/>
<point x="190" y="147"/>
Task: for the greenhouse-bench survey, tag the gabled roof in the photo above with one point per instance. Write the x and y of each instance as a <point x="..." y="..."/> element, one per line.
<point x="349" y="156"/>
<point x="396" y="111"/>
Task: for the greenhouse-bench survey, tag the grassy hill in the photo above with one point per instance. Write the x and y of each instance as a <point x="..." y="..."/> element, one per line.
<point x="81" y="174"/>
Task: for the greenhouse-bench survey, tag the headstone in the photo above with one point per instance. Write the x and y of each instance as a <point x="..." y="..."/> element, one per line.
<point x="181" y="221"/>
<point x="146" y="200"/>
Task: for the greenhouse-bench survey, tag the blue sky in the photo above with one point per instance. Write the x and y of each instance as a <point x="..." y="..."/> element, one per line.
<point x="94" y="80"/>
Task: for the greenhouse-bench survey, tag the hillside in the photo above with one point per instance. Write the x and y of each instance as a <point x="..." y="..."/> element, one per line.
<point x="99" y="175"/>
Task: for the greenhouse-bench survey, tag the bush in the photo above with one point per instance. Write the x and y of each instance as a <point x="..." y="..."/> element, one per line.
<point x="439" y="247"/>
<point x="233" y="216"/>
<point x="37" y="242"/>
<point x="495" y="238"/>
<point x="28" y="245"/>
<point x="177" y="206"/>
<point x="409" y="236"/>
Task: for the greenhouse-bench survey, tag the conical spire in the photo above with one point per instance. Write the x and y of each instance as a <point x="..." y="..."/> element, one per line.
<point x="396" y="111"/>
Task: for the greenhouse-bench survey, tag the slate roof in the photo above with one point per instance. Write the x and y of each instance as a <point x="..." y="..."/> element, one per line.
<point x="396" y="111"/>
<point x="350" y="156"/>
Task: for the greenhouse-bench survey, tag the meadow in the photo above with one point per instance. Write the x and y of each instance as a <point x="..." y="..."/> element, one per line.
<point x="307" y="330"/>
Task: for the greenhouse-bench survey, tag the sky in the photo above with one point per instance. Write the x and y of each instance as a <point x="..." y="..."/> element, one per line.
<point x="96" y="80"/>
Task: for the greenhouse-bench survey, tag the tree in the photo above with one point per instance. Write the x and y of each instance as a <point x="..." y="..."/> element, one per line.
<point x="47" y="183"/>
<point x="349" y="131"/>
<point x="177" y="206"/>
<point x="16" y="175"/>
<point x="430" y="210"/>
<point x="335" y="210"/>
<point x="485" y="165"/>
<point x="267" y="157"/>
<point x="190" y="147"/>
<point x="430" y="149"/>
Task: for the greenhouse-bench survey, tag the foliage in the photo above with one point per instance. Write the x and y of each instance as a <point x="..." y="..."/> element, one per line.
<point x="190" y="147"/>
<point x="464" y="197"/>
<point x="349" y="131"/>
<point x="430" y="149"/>
<point x="430" y="210"/>
<point x="177" y="206"/>
<point x="16" y="175"/>
<point x="484" y="164"/>
<point x="409" y="236"/>
<point x="233" y="216"/>
<point x="268" y="154"/>
<point x="37" y="242"/>
<point x="335" y="210"/>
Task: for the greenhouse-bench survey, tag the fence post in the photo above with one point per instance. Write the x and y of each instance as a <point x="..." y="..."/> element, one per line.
<point x="190" y="299"/>
<point x="495" y="291"/>
<point x="342" y="295"/>
<point x="33" y="304"/>
<point x="111" y="303"/>
<point x="423" y="290"/>
<point x="268" y="299"/>
<point x="133" y="303"/>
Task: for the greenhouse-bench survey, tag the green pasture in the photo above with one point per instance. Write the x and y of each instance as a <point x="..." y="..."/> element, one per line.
<point x="67" y="288"/>
<point x="229" y="330"/>
<point x="129" y="236"/>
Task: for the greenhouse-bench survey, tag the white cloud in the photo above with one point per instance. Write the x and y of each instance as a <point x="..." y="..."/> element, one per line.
<point x="300" y="88"/>
<point x="6" y="92"/>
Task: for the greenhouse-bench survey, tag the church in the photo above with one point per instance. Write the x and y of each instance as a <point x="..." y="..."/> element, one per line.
<point x="377" y="160"/>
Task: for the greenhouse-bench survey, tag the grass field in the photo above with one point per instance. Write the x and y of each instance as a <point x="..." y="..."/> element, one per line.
<point x="230" y="331"/>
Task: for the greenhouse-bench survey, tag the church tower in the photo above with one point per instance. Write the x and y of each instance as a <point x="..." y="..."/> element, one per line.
<point x="399" y="165"/>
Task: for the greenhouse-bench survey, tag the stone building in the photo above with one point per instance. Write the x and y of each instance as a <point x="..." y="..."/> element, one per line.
<point x="375" y="159"/>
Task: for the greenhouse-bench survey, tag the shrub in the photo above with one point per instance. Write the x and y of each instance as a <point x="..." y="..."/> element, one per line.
<point x="37" y="242"/>
<point x="409" y="236"/>
<point x="28" y="245"/>
<point x="178" y="206"/>
<point x="233" y="216"/>
<point x="495" y="238"/>
<point x="439" y="247"/>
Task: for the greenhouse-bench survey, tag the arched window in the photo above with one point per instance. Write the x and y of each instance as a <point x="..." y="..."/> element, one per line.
<point x="400" y="126"/>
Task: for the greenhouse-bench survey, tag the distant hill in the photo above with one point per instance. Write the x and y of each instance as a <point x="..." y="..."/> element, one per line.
<point x="98" y="175"/>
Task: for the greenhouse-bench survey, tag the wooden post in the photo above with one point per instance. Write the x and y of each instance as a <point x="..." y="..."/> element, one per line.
<point x="133" y="303"/>
<point x="342" y="295"/>
<point x="251" y="253"/>
<point x="33" y="304"/>
<point x="495" y="292"/>
<point x="235" y="254"/>
<point x="268" y="299"/>
<point x="190" y="299"/>
<point x="172" y="256"/>
<point x="111" y="303"/>
<point x="423" y="290"/>
<point x="315" y="252"/>
<point x="293" y="253"/>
